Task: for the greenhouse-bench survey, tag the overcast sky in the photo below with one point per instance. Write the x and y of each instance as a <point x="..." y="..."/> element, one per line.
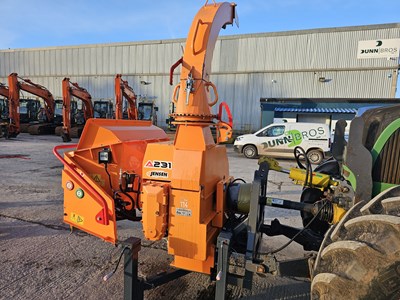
<point x="42" y="23"/>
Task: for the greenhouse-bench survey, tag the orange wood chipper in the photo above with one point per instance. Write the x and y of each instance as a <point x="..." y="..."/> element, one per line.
<point x="122" y="168"/>
<point x="182" y="191"/>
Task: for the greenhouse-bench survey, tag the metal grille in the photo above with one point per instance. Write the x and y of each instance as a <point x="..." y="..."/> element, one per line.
<point x="387" y="166"/>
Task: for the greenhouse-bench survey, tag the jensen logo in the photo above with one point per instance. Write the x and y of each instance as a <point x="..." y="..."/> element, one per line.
<point x="157" y="174"/>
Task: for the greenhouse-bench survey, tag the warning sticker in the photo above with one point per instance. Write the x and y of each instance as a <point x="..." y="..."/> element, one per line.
<point x="184" y="212"/>
<point x="98" y="179"/>
<point x="77" y="219"/>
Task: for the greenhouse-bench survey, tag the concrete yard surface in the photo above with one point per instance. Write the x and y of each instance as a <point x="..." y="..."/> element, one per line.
<point x="42" y="259"/>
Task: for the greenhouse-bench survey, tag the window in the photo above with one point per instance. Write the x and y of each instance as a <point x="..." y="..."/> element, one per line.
<point x="273" y="131"/>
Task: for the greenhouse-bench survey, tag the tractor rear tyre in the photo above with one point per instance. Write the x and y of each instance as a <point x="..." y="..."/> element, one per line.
<point x="360" y="257"/>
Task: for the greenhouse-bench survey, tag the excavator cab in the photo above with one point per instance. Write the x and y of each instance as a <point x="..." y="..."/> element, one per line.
<point x="3" y="108"/>
<point x="58" y="107"/>
<point x="3" y="117"/>
<point x="103" y="109"/>
<point x="147" y="111"/>
<point x="29" y="110"/>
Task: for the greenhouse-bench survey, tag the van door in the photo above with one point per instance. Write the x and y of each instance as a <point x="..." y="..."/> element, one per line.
<point x="273" y="140"/>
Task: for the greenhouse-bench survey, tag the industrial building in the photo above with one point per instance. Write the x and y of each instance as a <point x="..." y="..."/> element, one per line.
<point x="318" y="63"/>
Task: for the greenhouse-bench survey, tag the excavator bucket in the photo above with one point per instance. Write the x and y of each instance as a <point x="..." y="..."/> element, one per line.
<point x="89" y="182"/>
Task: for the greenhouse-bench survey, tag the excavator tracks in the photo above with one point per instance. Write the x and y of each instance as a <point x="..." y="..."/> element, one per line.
<point x="39" y="129"/>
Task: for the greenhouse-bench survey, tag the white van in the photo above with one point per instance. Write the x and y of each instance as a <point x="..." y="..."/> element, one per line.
<point x="280" y="139"/>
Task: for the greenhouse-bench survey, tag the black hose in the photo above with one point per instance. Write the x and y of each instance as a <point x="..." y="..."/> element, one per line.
<point x="299" y="153"/>
<point x="109" y="176"/>
<point x="296" y="235"/>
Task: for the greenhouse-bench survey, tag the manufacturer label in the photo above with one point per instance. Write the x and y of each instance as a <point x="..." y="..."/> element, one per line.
<point x="157" y="174"/>
<point x="158" y="164"/>
<point x="77" y="219"/>
<point x="184" y="212"/>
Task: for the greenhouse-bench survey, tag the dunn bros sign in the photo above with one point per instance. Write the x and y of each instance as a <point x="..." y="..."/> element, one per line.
<point x="378" y="48"/>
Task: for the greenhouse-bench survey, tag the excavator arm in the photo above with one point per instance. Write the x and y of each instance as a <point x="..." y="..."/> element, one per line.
<point x="17" y="84"/>
<point x="13" y="102"/>
<point x="69" y="90"/>
<point x="122" y="89"/>
<point x="4" y="91"/>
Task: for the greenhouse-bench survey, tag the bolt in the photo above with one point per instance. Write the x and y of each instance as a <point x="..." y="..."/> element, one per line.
<point x="157" y="213"/>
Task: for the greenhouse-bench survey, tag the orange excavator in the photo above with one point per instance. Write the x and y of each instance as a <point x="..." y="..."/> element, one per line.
<point x="73" y="122"/>
<point x="122" y="89"/>
<point x="4" y="116"/>
<point x="45" y="123"/>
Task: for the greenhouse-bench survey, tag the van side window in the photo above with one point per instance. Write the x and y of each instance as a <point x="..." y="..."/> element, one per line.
<point x="272" y="131"/>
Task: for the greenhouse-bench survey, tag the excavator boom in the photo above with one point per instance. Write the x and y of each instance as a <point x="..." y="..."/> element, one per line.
<point x="36" y="89"/>
<point x="122" y="89"/>
<point x="69" y="90"/>
<point x="4" y="91"/>
<point x="14" y="128"/>
<point x="17" y="84"/>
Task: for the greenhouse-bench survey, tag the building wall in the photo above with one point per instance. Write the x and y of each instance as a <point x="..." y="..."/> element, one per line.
<point x="245" y="68"/>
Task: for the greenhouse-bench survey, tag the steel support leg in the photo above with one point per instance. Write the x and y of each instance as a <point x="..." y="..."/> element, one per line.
<point x="223" y="244"/>
<point x="133" y="287"/>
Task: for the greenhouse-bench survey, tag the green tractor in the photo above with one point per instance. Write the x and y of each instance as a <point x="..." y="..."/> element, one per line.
<point x="350" y="208"/>
<point x="360" y="256"/>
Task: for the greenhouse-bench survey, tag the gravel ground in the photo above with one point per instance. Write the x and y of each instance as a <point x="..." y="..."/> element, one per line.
<point x="42" y="259"/>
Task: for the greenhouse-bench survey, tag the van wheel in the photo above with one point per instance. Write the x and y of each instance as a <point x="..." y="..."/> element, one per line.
<point x="250" y="151"/>
<point x="315" y="156"/>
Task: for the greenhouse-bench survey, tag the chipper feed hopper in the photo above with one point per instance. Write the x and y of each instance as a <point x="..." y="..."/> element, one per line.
<point x="182" y="191"/>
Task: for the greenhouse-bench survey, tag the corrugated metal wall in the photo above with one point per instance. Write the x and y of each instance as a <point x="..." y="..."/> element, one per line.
<point x="245" y="68"/>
